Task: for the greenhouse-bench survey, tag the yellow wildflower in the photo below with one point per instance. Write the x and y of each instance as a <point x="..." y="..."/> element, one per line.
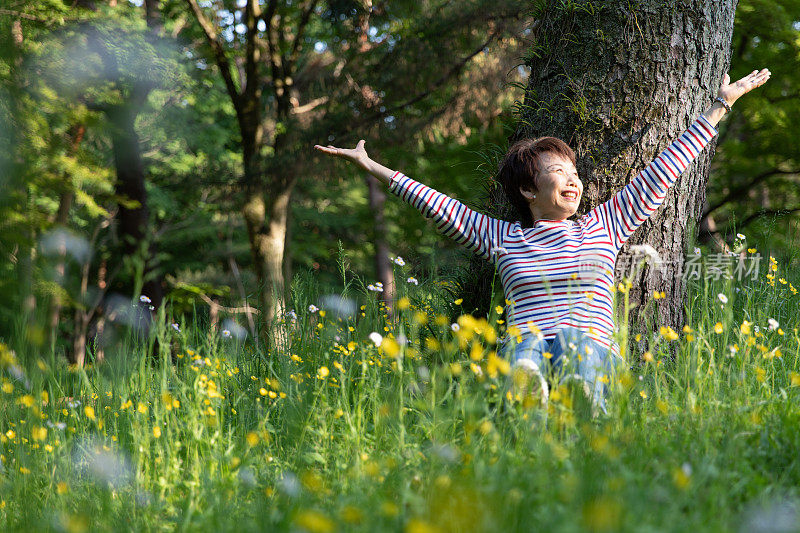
<point x="39" y="433"/>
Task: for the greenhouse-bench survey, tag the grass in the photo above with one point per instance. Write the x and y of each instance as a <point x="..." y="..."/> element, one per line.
<point x="337" y="432"/>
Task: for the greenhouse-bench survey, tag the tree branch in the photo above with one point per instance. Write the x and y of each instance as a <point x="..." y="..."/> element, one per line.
<point x="27" y="16"/>
<point x="763" y="213"/>
<point x="305" y="108"/>
<point x="252" y="12"/>
<point x="219" y="52"/>
<point x="741" y="190"/>
<point x="273" y="53"/>
<point x="306" y="16"/>
<point x="451" y="72"/>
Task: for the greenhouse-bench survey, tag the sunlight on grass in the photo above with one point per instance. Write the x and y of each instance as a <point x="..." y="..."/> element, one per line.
<point x="372" y="421"/>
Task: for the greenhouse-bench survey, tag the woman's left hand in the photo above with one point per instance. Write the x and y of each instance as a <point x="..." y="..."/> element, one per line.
<point x="730" y="92"/>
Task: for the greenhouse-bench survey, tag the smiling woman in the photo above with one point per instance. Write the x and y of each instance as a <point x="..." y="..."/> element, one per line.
<point x="559" y="273"/>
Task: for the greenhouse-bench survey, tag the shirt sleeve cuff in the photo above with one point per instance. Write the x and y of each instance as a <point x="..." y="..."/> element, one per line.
<point x="706" y="124"/>
<point x="395" y="181"/>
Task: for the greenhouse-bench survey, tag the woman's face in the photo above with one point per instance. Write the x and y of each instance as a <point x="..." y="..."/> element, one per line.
<point x="559" y="189"/>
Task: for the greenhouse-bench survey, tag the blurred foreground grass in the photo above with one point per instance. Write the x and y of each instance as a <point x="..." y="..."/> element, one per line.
<point x="372" y="423"/>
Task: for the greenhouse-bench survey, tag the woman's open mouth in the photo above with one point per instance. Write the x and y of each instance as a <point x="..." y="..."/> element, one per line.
<point x="570" y="195"/>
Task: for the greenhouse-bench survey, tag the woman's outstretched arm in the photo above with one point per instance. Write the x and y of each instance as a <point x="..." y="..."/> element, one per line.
<point x="358" y="155"/>
<point x="640" y="198"/>
<point x="479" y="233"/>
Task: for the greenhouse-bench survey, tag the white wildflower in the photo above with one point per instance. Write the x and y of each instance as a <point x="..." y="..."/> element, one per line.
<point x="176" y="327"/>
<point x="376" y="338"/>
<point x="144" y="299"/>
<point x="226" y="333"/>
<point x="454" y="326"/>
<point x="313" y="308"/>
<point x="722" y="298"/>
<point x="740" y="236"/>
<point x="413" y="280"/>
<point x="696" y="250"/>
<point x="378" y="287"/>
<point x="398" y="261"/>
<point x="648" y="251"/>
<point x="773" y="324"/>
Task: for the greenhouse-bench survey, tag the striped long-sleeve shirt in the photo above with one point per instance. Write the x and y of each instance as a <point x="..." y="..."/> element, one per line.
<point x="561" y="273"/>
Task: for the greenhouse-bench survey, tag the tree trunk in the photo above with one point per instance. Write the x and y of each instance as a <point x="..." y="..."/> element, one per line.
<point x="619" y="81"/>
<point x="383" y="267"/>
<point x="266" y="220"/>
<point x="134" y="219"/>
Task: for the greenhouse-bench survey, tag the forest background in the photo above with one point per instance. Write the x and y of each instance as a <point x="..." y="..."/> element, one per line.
<point x="124" y="128"/>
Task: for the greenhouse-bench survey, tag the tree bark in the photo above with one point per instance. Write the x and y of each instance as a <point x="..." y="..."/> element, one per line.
<point x="266" y="219"/>
<point x="383" y="266"/>
<point x="619" y="81"/>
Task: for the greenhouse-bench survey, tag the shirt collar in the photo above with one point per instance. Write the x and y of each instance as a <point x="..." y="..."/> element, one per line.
<point x="546" y="222"/>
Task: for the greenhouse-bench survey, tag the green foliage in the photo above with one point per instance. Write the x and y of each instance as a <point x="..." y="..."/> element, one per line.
<point x="336" y="432"/>
<point x="757" y="164"/>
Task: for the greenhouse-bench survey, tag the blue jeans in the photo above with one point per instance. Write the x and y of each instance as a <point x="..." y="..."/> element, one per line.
<point x="572" y="352"/>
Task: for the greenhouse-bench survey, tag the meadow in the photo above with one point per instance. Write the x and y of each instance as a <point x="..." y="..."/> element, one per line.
<point x="366" y="421"/>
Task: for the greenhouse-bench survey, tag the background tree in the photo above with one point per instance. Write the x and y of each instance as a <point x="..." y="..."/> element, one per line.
<point x="619" y="81"/>
<point x="757" y="167"/>
<point x="322" y="71"/>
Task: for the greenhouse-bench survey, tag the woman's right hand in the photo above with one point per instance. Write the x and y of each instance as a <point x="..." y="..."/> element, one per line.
<point x="357" y="155"/>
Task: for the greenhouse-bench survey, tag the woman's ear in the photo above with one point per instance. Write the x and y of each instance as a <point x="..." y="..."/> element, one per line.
<point x="527" y="193"/>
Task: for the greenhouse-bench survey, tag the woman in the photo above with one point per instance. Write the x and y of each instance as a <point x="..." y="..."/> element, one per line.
<point x="559" y="272"/>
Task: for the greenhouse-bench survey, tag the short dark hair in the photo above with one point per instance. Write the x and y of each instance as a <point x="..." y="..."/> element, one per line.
<point x="520" y="167"/>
